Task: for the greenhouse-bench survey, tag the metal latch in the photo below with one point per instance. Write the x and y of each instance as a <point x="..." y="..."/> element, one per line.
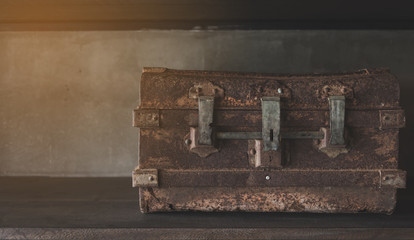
<point x="201" y="139"/>
<point x="334" y="142"/>
<point x="337" y="119"/>
<point x="270" y="123"/>
<point x="205" y="119"/>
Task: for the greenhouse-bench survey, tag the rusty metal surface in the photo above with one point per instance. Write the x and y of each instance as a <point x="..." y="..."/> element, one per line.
<point x="270" y="123"/>
<point x="165" y="148"/>
<point x="145" y="178"/>
<point x="337" y="120"/>
<point x="360" y="174"/>
<point x="392" y="119"/>
<point x="260" y="158"/>
<point x="146" y="118"/>
<point x="277" y="178"/>
<point x="205" y="89"/>
<point x="289" y="118"/>
<point x="205" y="113"/>
<point x="329" y="149"/>
<point x="106" y="208"/>
<point x="258" y="135"/>
<point x="169" y="89"/>
<point x="286" y="199"/>
<point x="194" y="146"/>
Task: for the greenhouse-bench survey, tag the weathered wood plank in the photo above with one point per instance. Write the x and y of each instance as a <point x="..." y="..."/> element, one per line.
<point x="320" y="233"/>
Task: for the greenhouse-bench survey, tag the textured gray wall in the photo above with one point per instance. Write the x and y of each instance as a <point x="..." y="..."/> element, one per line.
<point x="66" y="97"/>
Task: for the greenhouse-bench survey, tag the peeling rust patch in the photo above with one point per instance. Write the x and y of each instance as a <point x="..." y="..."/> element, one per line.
<point x="146" y="118"/>
<point x="392" y="119"/>
<point x="335" y="90"/>
<point x="161" y="90"/>
<point x="386" y="143"/>
<point x="205" y="89"/>
<point x="316" y="199"/>
<point x="241" y="102"/>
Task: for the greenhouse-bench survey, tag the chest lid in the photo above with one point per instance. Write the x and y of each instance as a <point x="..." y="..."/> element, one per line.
<point x="163" y="88"/>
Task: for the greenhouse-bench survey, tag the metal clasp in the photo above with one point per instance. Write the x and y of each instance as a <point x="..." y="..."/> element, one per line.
<point x="337" y="119"/>
<point x="205" y="119"/>
<point x="334" y="142"/>
<point x="201" y="139"/>
<point x="270" y="123"/>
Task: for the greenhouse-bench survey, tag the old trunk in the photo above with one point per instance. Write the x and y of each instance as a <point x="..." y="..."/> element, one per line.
<point x="221" y="141"/>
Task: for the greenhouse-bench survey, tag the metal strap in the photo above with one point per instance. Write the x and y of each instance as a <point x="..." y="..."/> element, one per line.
<point x="337" y="116"/>
<point x="379" y="178"/>
<point x="205" y="119"/>
<point x="270" y="123"/>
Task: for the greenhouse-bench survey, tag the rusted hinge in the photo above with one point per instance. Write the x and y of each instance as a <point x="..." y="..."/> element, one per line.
<point x="392" y="119"/>
<point x="205" y="89"/>
<point x="146" y="118"/>
<point x="145" y="178"/>
<point x="392" y="178"/>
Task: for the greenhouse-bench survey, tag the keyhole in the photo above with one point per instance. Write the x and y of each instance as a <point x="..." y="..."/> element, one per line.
<point x="271" y="135"/>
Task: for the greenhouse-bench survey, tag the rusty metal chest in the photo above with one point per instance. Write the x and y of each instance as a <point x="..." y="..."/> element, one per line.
<point x="224" y="141"/>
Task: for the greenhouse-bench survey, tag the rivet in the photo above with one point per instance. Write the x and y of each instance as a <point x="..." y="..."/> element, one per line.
<point x="151" y="178"/>
<point x="279" y="90"/>
<point x="267" y="177"/>
<point x="252" y="151"/>
<point x="187" y="141"/>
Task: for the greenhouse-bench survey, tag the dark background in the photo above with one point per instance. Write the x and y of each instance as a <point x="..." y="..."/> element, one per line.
<point x="204" y="14"/>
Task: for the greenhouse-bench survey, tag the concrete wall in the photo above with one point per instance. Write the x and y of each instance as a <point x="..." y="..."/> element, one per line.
<point x="66" y="97"/>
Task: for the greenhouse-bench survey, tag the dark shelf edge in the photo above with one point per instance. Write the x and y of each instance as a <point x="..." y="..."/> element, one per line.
<point x="206" y="233"/>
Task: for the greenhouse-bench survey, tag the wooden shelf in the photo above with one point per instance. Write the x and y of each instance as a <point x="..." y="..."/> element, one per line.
<point x="107" y="208"/>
